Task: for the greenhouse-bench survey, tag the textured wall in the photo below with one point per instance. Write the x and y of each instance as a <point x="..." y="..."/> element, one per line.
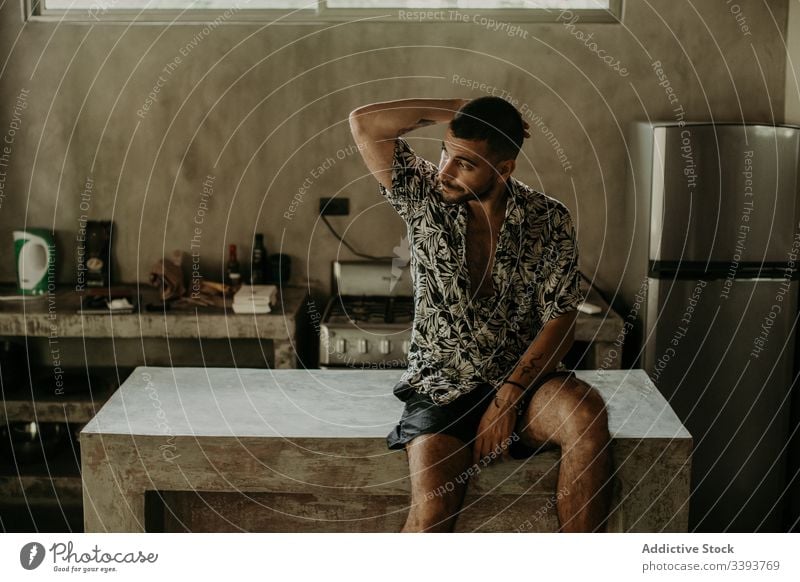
<point x="792" y="106"/>
<point x="262" y="108"/>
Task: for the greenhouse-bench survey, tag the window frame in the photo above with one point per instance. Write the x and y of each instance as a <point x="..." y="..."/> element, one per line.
<point x="32" y="12"/>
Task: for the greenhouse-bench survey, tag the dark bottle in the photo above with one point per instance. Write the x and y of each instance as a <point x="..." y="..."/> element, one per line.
<point x="234" y="276"/>
<point x="94" y="260"/>
<point x="258" y="262"/>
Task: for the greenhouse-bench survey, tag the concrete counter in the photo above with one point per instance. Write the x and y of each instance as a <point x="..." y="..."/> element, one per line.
<point x="313" y="442"/>
<point x="59" y="316"/>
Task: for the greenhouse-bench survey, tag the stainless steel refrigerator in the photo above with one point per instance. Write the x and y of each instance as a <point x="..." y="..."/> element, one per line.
<point x="716" y="252"/>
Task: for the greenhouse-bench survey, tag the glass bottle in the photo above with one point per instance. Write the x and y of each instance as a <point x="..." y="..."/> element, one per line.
<point x="258" y="262"/>
<point x="234" y="276"/>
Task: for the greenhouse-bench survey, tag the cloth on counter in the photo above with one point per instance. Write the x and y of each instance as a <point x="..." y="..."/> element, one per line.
<point x="167" y="275"/>
<point x="208" y="294"/>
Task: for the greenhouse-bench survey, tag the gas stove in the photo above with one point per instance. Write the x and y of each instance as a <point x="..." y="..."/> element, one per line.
<point x="367" y="322"/>
<point x="370" y="311"/>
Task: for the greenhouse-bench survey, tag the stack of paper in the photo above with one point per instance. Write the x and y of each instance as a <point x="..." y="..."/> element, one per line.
<point x="255" y="299"/>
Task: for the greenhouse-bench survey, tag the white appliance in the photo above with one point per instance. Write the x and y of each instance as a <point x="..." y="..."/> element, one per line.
<point x="367" y="321"/>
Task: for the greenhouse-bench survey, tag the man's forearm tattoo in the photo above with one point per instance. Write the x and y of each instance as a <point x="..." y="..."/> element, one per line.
<point x="417" y="125"/>
<point x="529" y="367"/>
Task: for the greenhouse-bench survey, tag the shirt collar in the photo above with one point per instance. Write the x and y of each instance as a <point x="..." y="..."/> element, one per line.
<point x="514" y="206"/>
<point x="514" y="213"/>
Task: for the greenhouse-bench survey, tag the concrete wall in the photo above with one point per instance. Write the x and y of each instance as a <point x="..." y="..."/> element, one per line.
<point x="793" y="116"/>
<point x="792" y="105"/>
<point x="261" y="108"/>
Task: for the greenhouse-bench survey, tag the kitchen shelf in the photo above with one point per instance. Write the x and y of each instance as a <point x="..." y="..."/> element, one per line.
<point x="71" y="408"/>
<point x="598" y="335"/>
<point x="59" y="316"/>
<point x="34" y="317"/>
<point x="57" y="480"/>
<point x="45" y="517"/>
<point x="77" y="411"/>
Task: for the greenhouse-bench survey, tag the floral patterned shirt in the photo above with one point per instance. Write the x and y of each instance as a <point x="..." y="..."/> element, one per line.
<point x="457" y="344"/>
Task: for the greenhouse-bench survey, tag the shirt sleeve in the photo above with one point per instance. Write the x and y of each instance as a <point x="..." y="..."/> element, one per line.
<point x="413" y="180"/>
<point x="562" y="286"/>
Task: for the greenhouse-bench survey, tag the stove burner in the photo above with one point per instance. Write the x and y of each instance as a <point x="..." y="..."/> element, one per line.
<point x="372" y="310"/>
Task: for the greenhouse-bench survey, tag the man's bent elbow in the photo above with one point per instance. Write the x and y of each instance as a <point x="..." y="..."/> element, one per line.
<point x="368" y="123"/>
<point x="355" y="121"/>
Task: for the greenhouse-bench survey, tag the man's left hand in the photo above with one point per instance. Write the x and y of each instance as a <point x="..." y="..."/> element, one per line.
<point x="495" y="428"/>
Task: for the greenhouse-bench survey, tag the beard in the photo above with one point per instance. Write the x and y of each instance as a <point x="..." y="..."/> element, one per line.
<point x="455" y="195"/>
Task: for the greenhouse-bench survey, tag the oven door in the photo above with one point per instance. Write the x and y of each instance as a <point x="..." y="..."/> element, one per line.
<point x="373" y="348"/>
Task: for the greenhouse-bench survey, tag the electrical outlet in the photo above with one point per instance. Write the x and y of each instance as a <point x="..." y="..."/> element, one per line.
<point x="334" y="206"/>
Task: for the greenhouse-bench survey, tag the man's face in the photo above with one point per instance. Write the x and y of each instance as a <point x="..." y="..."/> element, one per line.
<point x="468" y="170"/>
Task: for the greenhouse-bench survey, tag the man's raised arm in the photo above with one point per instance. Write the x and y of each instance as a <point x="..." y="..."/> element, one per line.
<point x="376" y="126"/>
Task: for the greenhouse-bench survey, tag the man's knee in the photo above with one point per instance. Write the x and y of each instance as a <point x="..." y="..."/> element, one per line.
<point x="584" y="414"/>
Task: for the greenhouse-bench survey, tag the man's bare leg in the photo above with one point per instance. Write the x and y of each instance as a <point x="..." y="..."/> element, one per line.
<point x="569" y="413"/>
<point x="435" y="462"/>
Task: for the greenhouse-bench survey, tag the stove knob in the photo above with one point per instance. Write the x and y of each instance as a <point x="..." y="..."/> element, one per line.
<point x="406" y="346"/>
<point x="385" y="346"/>
<point x="362" y="346"/>
<point x="341" y="345"/>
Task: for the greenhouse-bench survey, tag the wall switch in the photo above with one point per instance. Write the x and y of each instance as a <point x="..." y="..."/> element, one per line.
<point x="334" y="206"/>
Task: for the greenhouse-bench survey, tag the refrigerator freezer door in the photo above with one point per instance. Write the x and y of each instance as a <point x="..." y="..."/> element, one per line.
<point x="721" y="351"/>
<point x="723" y="191"/>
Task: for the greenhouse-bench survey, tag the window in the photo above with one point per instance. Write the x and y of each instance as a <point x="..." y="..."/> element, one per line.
<point x="294" y="11"/>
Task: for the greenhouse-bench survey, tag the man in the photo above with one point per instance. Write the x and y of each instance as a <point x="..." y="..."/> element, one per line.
<point x="496" y="288"/>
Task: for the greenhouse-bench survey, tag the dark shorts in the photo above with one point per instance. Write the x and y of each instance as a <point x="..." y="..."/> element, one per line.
<point x="460" y="418"/>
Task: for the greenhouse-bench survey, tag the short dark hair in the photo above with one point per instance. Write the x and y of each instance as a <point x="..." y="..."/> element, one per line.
<point x="492" y="119"/>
